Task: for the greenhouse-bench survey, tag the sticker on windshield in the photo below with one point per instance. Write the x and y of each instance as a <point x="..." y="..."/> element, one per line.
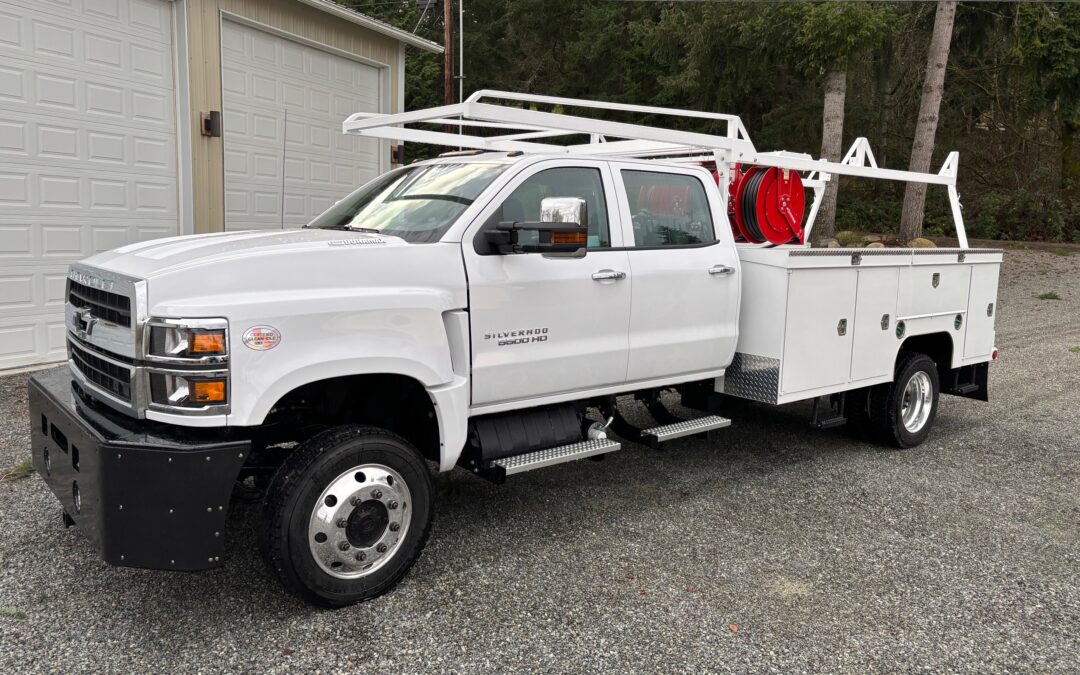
<point x="261" y="338"/>
<point x="356" y="242"/>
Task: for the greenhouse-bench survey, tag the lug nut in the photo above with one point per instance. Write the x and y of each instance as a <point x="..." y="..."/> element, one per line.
<point x="344" y="546"/>
<point x="394" y="527"/>
<point x="377" y="494"/>
<point x="392" y="505"/>
<point x="361" y="556"/>
<point x="381" y="548"/>
<point x="355" y="501"/>
<point x="342" y="522"/>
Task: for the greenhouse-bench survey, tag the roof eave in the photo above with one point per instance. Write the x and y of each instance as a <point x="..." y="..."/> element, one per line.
<point x="372" y="24"/>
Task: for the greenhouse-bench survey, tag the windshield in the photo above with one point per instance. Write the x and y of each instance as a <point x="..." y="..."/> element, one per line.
<point x="416" y="203"/>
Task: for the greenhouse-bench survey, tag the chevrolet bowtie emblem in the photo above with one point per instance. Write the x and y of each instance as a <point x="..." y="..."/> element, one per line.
<point x="85" y="321"/>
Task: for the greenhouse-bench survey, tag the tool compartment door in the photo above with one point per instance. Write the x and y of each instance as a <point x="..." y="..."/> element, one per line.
<point x="875" y="321"/>
<point x="982" y="308"/>
<point x="818" y="328"/>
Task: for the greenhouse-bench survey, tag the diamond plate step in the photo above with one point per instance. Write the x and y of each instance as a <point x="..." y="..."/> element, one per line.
<point x="687" y="428"/>
<point x="549" y="456"/>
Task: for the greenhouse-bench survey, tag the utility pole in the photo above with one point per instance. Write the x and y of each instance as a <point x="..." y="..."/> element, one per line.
<point x="448" y="54"/>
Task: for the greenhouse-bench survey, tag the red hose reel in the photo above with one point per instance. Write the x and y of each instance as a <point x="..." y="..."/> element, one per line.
<point x="766" y="204"/>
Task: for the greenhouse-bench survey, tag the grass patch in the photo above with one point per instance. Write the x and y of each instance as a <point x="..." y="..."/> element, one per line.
<point x="1061" y="250"/>
<point x="1049" y="295"/>
<point x="21" y="470"/>
<point x="13" y="613"/>
<point x="1074" y="350"/>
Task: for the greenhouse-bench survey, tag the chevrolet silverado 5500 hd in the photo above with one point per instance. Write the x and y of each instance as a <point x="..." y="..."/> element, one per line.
<point x="491" y="309"/>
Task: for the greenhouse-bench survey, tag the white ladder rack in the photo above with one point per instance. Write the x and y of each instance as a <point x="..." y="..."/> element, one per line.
<point x="519" y="127"/>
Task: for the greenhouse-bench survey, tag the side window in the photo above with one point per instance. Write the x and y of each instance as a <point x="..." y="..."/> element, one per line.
<point x="523" y="204"/>
<point x="668" y="209"/>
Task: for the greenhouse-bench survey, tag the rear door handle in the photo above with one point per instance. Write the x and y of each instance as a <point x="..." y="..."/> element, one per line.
<point x="721" y="270"/>
<point x="608" y="275"/>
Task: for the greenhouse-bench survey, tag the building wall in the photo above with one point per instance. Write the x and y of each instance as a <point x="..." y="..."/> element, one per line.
<point x="204" y="64"/>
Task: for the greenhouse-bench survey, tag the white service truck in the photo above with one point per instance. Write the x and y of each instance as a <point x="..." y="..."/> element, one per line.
<point x="496" y="309"/>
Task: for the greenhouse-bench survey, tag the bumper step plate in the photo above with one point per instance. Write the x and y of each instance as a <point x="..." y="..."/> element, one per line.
<point x="688" y="428"/>
<point x="550" y="456"/>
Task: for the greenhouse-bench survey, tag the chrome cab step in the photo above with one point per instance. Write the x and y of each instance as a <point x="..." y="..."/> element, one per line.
<point x="508" y="466"/>
<point x="667" y="432"/>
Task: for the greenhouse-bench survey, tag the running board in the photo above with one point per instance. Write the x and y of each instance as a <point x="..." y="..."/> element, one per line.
<point x="508" y="466"/>
<point x="699" y="425"/>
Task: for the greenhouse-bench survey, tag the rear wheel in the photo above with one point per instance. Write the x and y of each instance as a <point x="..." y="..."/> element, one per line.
<point x="347" y="515"/>
<point x="903" y="411"/>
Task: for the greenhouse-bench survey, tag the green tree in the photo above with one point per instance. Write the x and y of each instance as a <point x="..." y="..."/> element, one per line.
<point x="826" y="39"/>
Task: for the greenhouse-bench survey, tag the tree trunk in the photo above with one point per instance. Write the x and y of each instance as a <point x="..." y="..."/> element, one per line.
<point x="1070" y="158"/>
<point x="832" y="138"/>
<point x="911" y="218"/>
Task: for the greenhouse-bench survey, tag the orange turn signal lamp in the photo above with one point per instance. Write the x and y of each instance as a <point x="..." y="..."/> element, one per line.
<point x="208" y="391"/>
<point x="570" y="238"/>
<point x="208" y="343"/>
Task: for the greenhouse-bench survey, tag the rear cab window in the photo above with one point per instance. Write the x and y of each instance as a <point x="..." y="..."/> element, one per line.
<point x="667" y="209"/>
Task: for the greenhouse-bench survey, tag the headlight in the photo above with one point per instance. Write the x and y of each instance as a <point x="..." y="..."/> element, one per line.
<point x="176" y="340"/>
<point x="183" y="390"/>
<point x="187" y="363"/>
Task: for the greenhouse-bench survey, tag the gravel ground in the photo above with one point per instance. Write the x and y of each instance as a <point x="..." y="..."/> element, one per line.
<point x="775" y="548"/>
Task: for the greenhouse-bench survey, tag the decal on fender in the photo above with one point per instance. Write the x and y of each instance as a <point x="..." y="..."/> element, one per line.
<point x="261" y="338"/>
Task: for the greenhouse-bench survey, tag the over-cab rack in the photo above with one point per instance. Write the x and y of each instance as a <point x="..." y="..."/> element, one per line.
<point x="520" y="127"/>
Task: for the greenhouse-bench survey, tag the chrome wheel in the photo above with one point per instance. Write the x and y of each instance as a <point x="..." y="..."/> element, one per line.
<point x="359" y="521"/>
<point x="918" y="402"/>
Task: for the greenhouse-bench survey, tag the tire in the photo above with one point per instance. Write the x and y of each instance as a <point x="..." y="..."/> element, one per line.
<point x="898" y="419"/>
<point x="341" y="495"/>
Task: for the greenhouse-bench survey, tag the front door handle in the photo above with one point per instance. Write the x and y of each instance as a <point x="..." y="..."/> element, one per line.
<point x="721" y="270"/>
<point x="608" y="275"/>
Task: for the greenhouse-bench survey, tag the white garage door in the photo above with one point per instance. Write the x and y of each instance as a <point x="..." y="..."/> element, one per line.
<point x="266" y="79"/>
<point x="87" y="151"/>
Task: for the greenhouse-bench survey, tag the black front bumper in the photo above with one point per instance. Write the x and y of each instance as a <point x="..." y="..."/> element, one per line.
<point x="145" y="494"/>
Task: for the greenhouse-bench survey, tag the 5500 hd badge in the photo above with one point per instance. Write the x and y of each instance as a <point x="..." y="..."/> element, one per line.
<point x="518" y="337"/>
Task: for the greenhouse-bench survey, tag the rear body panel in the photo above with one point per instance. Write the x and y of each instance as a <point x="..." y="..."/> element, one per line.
<point x="821" y="321"/>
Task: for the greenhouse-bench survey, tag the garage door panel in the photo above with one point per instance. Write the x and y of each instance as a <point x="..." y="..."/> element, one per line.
<point x="41" y="141"/>
<point x="88" y="151"/>
<point x="265" y="78"/>
<point x="30" y="187"/>
<point x="28" y="88"/>
<point x="145" y="20"/>
<point x="86" y="50"/>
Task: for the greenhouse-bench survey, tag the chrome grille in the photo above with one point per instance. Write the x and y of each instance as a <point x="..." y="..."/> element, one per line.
<point x="110" y="376"/>
<point x="105" y="305"/>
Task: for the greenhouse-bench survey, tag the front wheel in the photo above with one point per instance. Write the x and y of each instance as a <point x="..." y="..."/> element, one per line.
<point x="903" y="411"/>
<point x="347" y="515"/>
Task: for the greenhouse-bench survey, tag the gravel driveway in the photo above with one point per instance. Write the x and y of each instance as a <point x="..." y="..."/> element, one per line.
<point x="775" y="548"/>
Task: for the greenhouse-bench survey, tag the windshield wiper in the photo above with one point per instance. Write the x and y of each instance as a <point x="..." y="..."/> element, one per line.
<point x="352" y="228"/>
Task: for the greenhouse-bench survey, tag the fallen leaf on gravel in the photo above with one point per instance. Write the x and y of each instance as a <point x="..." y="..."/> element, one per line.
<point x="734" y="628"/>
<point x="286" y="652"/>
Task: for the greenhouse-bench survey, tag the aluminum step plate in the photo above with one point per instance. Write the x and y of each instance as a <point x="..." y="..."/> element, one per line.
<point x="549" y="456"/>
<point x="687" y="428"/>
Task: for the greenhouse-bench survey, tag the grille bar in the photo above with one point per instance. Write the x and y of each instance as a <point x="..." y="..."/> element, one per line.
<point x="107" y="306"/>
<point x="111" y="377"/>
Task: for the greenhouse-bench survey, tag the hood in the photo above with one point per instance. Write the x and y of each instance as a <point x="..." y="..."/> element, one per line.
<point x="161" y="257"/>
<point x="241" y="274"/>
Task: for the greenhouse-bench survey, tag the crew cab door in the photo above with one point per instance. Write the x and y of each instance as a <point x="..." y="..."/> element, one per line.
<point x="684" y="308"/>
<point x="545" y="325"/>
